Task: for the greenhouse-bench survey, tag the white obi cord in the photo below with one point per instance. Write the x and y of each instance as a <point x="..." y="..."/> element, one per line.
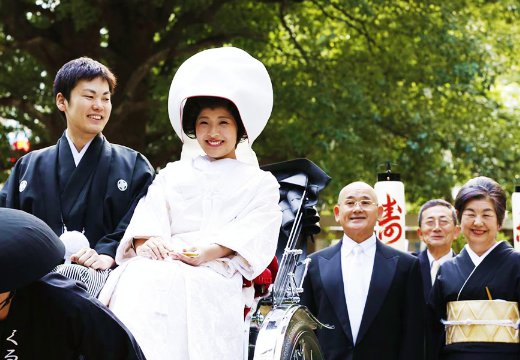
<point x="508" y="323"/>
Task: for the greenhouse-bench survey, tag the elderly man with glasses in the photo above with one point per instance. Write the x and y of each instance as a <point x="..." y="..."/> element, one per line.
<point x="369" y="291"/>
<point x="437" y="229"/>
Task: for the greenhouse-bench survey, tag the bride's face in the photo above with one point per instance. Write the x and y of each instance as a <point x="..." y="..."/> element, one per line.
<point x="216" y="131"/>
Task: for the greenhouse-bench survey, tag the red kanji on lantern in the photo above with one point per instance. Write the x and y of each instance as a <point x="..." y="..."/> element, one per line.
<point x="391" y="228"/>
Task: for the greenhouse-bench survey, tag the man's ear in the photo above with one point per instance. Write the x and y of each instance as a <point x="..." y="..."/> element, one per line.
<point x="379" y="212"/>
<point x="457" y="231"/>
<point x="61" y="102"/>
<point x="336" y="212"/>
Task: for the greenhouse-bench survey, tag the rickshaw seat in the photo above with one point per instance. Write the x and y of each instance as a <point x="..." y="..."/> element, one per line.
<point x="262" y="281"/>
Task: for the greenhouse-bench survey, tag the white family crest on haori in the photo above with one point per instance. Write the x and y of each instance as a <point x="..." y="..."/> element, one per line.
<point x="122" y="185"/>
<point x="23" y="185"/>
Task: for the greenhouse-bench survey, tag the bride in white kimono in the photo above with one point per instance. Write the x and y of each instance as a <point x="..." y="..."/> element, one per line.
<point x="205" y="222"/>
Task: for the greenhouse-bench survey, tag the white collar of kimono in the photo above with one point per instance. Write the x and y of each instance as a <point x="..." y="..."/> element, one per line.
<point x="229" y="73"/>
<point x="75" y="154"/>
<point x="478" y="259"/>
<point x="244" y="153"/>
<point x="209" y="165"/>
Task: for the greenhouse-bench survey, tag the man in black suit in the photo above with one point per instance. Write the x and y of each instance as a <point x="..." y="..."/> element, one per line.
<point x="370" y="292"/>
<point x="437" y="228"/>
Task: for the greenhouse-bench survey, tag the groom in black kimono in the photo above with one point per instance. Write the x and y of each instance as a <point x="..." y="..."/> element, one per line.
<point x="83" y="183"/>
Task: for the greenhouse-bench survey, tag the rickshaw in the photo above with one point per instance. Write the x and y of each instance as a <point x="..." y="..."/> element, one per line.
<point x="279" y="327"/>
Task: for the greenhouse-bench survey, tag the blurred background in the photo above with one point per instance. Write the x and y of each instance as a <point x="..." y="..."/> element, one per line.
<point x="432" y="86"/>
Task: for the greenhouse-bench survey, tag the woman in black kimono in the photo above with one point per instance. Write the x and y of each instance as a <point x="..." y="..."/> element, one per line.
<point x="484" y="270"/>
<point x="50" y="318"/>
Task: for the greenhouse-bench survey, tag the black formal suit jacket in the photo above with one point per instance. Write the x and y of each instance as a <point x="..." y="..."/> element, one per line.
<point x="392" y="326"/>
<point x="424" y="263"/>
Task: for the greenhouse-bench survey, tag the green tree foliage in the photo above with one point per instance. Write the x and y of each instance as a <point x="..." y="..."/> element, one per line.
<point x="429" y="85"/>
<point x="410" y="82"/>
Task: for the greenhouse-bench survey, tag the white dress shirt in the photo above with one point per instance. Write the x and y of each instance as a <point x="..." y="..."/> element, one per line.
<point x="358" y="275"/>
<point x="75" y="154"/>
<point x="440" y="261"/>
<point x="478" y="259"/>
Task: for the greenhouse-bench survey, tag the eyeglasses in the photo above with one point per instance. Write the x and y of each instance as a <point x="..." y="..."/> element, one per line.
<point x="442" y="222"/>
<point x="363" y="204"/>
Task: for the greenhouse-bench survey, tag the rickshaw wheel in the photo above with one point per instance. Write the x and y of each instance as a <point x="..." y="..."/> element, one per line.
<point x="300" y="343"/>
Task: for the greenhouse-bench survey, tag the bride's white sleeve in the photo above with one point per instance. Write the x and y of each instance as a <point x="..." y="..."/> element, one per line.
<point x="151" y="217"/>
<point x="253" y="234"/>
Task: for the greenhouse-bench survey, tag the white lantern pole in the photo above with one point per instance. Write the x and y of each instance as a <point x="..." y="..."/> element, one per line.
<point x="516" y="217"/>
<point x="390" y="194"/>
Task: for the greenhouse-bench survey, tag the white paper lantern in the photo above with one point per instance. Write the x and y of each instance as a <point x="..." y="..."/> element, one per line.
<point x="391" y="229"/>
<point x="516" y="218"/>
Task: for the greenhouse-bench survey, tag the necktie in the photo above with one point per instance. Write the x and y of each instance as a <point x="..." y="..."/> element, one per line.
<point x="355" y="290"/>
<point x="433" y="271"/>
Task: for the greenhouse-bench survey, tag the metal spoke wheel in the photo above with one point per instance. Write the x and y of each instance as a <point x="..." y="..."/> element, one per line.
<point x="286" y="333"/>
<point x="300" y="342"/>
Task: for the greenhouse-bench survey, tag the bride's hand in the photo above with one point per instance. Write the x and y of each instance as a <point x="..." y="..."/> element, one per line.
<point x="196" y="256"/>
<point x="154" y="248"/>
<point x="193" y="256"/>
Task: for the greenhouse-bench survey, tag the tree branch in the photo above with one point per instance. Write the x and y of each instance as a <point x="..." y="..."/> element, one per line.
<point x="144" y="69"/>
<point x="187" y="20"/>
<point x="127" y="107"/>
<point x="36" y="41"/>
<point x="347" y="19"/>
<point x="25" y="106"/>
<point x="217" y="39"/>
<point x="291" y="33"/>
